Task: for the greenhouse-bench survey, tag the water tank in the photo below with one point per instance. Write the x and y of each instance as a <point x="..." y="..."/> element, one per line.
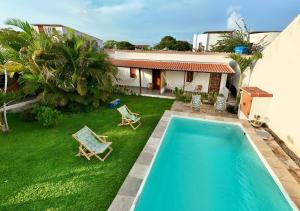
<point x="241" y="49"/>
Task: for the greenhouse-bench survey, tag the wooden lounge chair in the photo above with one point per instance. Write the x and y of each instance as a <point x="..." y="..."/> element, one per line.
<point x="92" y="144"/>
<point x="129" y="118"/>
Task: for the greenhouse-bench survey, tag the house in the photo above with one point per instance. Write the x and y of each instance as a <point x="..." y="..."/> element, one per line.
<point x="204" y="41"/>
<point x="63" y="30"/>
<point x="275" y="79"/>
<point x="162" y="71"/>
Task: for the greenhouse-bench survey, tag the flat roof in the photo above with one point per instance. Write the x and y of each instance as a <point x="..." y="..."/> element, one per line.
<point x="60" y="25"/>
<point x="168" y="52"/>
<point x="257" y="32"/>
<point x="175" y="66"/>
<point x="217" y="32"/>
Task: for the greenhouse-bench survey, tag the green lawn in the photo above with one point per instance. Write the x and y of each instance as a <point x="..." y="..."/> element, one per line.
<point x="39" y="170"/>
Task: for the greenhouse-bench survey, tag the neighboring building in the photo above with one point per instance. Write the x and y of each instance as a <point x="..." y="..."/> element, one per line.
<point x="275" y="81"/>
<point x="64" y="29"/>
<point x="165" y="70"/>
<point x="204" y="41"/>
<point x="263" y="36"/>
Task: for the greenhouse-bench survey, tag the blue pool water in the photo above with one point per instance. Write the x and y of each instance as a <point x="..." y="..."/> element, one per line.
<point x="207" y="166"/>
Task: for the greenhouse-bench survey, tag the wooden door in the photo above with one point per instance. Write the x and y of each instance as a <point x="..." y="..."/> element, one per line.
<point x="214" y="82"/>
<point x="246" y="103"/>
<point x="156" y="81"/>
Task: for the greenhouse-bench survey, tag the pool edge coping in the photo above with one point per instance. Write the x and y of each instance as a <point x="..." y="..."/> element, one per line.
<point x="132" y="186"/>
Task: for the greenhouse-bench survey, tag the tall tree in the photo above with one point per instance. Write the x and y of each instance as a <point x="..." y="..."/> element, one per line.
<point x="124" y="45"/>
<point x="110" y="44"/>
<point x="170" y="43"/>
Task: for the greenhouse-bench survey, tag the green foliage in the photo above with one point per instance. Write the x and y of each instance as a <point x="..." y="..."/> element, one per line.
<point x="110" y="44"/>
<point x="47" y="116"/>
<point x="180" y="95"/>
<point x="204" y="97"/>
<point x="124" y="45"/>
<point x="212" y="97"/>
<point x="61" y="69"/>
<point x="170" y="43"/>
<point x="245" y="62"/>
<point x="230" y="40"/>
<point x="10" y="96"/>
<point x="28" y="115"/>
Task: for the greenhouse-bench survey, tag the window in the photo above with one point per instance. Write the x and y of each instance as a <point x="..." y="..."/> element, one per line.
<point x="132" y="72"/>
<point x="189" y="76"/>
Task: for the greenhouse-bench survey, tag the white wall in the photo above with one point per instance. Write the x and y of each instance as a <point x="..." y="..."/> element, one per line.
<point x="171" y="56"/>
<point x="199" y="38"/>
<point x="213" y="38"/>
<point x="124" y="77"/>
<point x="278" y="72"/>
<point x="223" y="82"/>
<point x="260" y="106"/>
<point x="266" y="37"/>
<point x="176" y="79"/>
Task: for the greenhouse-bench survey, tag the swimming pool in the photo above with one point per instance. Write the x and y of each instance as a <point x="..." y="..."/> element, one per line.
<point x="206" y="165"/>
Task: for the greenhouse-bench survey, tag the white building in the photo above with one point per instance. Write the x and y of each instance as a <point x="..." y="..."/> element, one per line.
<point x="274" y="82"/>
<point x="165" y="70"/>
<point x="204" y="41"/>
<point x="64" y="29"/>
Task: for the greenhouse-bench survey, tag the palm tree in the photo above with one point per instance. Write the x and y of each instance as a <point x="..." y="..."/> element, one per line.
<point x="60" y="68"/>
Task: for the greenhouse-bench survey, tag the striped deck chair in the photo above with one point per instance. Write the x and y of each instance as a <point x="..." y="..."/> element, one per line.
<point x="91" y="144"/>
<point x="129" y="118"/>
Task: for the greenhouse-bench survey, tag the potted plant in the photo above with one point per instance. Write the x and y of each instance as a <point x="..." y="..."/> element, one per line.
<point x="256" y="121"/>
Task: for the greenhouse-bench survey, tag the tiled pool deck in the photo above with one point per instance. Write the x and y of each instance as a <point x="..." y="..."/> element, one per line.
<point x="129" y="190"/>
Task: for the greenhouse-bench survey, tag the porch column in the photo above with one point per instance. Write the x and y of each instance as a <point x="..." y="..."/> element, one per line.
<point x="184" y="80"/>
<point x="140" y="78"/>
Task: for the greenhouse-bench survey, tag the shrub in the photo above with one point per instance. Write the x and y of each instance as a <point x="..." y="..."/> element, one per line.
<point x="47" y="116"/>
<point x="204" y="97"/>
<point x="212" y="97"/>
<point x="178" y="92"/>
<point x="28" y="115"/>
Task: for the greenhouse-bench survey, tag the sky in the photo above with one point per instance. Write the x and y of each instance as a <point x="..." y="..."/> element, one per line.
<point x="147" y="21"/>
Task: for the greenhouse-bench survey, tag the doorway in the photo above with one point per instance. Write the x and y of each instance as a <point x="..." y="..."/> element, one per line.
<point x="156" y="81"/>
<point x="214" y="82"/>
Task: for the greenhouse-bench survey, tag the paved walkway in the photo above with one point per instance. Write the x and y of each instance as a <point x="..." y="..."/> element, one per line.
<point x="130" y="190"/>
<point x="205" y="109"/>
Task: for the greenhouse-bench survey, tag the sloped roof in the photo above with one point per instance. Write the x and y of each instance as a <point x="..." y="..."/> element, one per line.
<point x="256" y="92"/>
<point x="175" y="66"/>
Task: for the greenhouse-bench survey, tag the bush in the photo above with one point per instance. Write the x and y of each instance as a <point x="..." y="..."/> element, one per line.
<point x="28" y="115"/>
<point x="204" y="97"/>
<point x="212" y="97"/>
<point x="47" y="116"/>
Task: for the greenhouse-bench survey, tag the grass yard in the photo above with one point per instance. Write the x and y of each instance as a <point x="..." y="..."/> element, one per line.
<point x="39" y="169"/>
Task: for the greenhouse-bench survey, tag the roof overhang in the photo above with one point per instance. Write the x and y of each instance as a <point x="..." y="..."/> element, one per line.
<point x="254" y="91"/>
<point x="175" y="66"/>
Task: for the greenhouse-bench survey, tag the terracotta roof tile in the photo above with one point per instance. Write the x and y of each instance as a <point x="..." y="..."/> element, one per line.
<point x="175" y="66"/>
<point x="256" y="92"/>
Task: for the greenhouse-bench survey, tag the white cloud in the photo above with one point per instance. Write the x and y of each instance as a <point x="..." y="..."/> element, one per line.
<point x="119" y="9"/>
<point x="234" y="17"/>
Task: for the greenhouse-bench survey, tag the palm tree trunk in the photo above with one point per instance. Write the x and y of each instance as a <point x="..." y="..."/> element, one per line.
<point x="6" y="127"/>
